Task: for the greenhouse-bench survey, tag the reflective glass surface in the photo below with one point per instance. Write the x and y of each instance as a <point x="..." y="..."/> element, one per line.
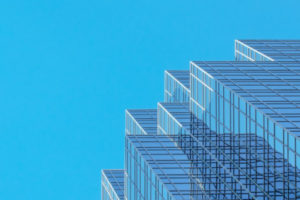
<point x="173" y="118"/>
<point x="112" y="184"/>
<point x="267" y="50"/>
<point x="177" y="86"/>
<point x="140" y="121"/>
<point x="250" y="97"/>
<point x="226" y="130"/>
<point x="156" y="169"/>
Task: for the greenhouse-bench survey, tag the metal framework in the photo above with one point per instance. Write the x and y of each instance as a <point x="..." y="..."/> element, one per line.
<point x="226" y="130"/>
<point x="237" y="166"/>
<point x="267" y="50"/>
<point x="140" y="121"/>
<point x="112" y="184"/>
<point x="177" y="86"/>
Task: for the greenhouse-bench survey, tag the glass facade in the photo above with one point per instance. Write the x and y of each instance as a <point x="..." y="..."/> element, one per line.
<point x="112" y="184"/>
<point x="267" y="50"/>
<point x="173" y="118"/>
<point x="250" y="97"/>
<point x="244" y="52"/>
<point x="177" y="86"/>
<point x="226" y="130"/>
<point x="156" y="169"/>
<point x="140" y="121"/>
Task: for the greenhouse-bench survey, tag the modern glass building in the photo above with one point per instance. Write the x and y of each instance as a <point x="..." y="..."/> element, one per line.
<point x="226" y="130"/>
<point x="112" y="184"/>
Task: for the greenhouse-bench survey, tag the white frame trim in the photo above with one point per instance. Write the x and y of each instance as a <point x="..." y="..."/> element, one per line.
<point x="247" y="46"/>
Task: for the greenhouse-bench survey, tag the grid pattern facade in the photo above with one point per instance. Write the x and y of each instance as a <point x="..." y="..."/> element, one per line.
<point x="248" y="97"/>
<point x="173" y="118"/>
<point x="244" y="52"/>
<point x="112" y="184"/>
<point x="177" y="86"/>
<point x="239" y="166"/>
<point x="267" y="50"/>
<point x="156" y="169"/>
<point x="140" y="121"/>
<point x="226" y="130"/>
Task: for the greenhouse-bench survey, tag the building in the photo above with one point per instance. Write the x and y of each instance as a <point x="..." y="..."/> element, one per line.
<point x="112" y="184"/>
<point x="226" y="130"/>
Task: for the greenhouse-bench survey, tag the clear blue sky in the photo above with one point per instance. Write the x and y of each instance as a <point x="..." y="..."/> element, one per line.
<point x="68" y="69"/>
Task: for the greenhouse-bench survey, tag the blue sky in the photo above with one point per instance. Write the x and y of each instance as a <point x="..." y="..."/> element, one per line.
<point x="69" y="69"/>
